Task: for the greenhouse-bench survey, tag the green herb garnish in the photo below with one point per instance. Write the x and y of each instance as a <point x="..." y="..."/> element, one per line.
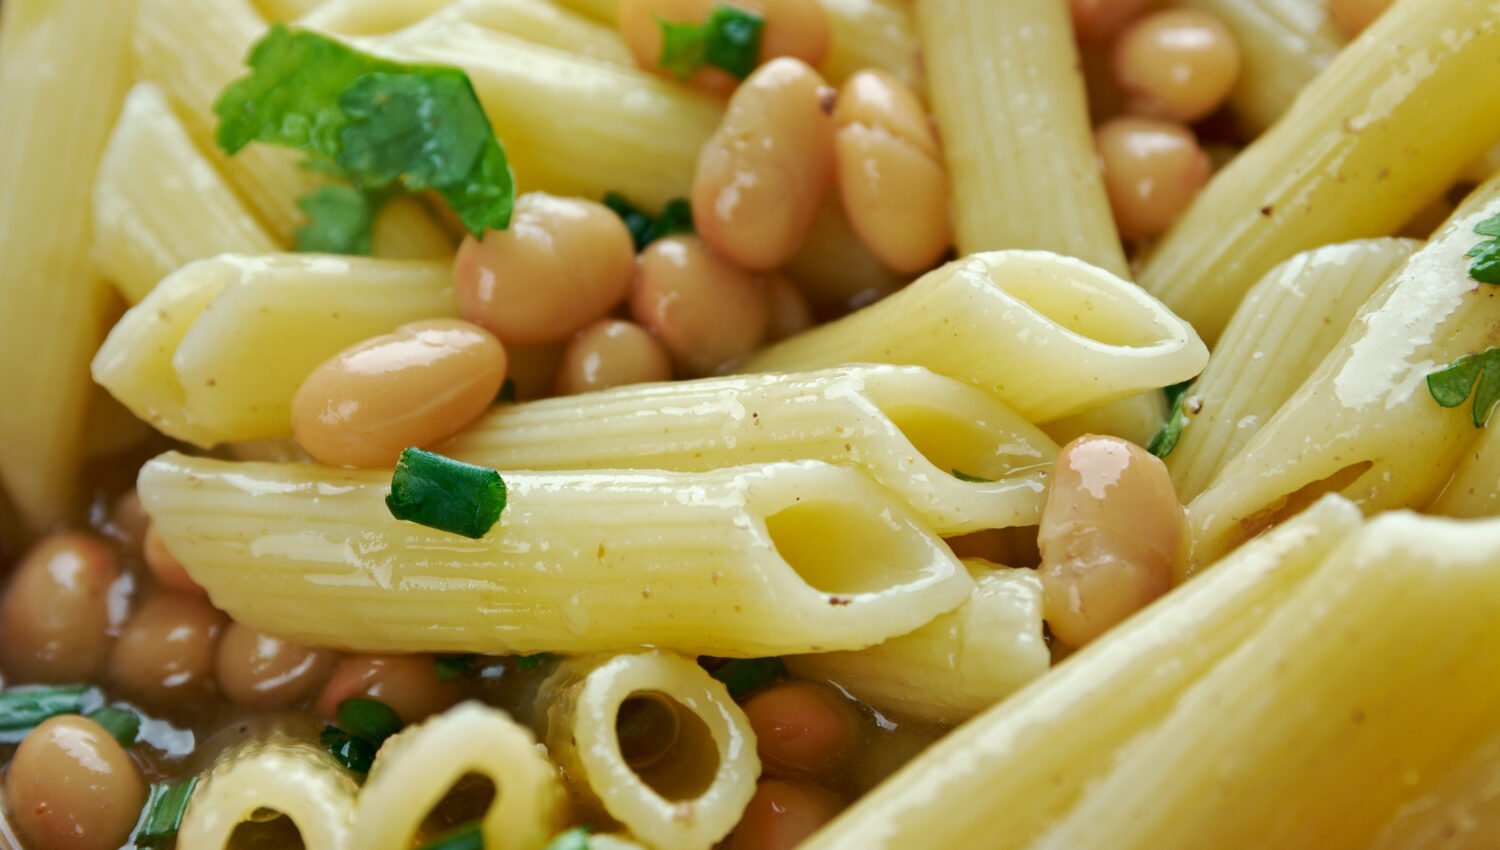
<point x="576" y="838"/>
<point x="450" y="667"/>
<point x="354" y="753"/>
<point x="21" y="709"/>
<point x="1478" y="374"/>
<point x="507" y="394"/>
<point x="1167" y="438"/>
<point x="446" y="494"/>
<point x="340" y="220"/>
<point x="676" y="217"/>
<point x="470" y="836"/>
<point x="162" y="815"/>
<point x="369" y="719"/>
<point x="531" y="662"/>
<point x="122" y="724"/>
<point x="1486" y="265"/>
<point x="743" y="676"/>
<point x="972" y="479"/>
<point x="729" y="39"/>
<point x="383" y="125"/>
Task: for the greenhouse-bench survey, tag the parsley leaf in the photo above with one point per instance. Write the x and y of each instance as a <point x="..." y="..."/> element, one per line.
<point x="743" y="676"/>
<point x="467" y="837"/>
<point x="972" y="479"/>
<point x="122" y="724"/>
<point x="1167" y="438"/>
<point x="1486" y="265"/>
<point x="340" y="220"/>
<point x="450" y="667"/>
<point x="729" y="39"/>
<point x="1478" y="374"/>
<point x="446" y="494"/>
<point x="354" y="753"/>
<point x="533" y="661"/>
<point x="676" y="217"/>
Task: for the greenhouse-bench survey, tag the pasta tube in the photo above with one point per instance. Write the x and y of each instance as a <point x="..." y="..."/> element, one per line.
<point x="415" y="769"/>
<point x="1050" y="335"/>
<point x="1460" y="811"/>
<point x="753" y="561"/>
<point x="1287" y="324"/>
<point x="64" y="67"/>
<point x="1364" y="424"/>
<point x="1137" y="418"/>
<point x="159" y="203"/>
<point x="544" y="23"/>
<point x="190" y="358"/>
<point x="1367" y="145"/>
<point x="1007" y="90"/>
<point x="913" y="431"/>
<point x="683" y="777"/>
<point x="1046" y="745"/>
<point x="268" y="777"/>
<point x="286" y="10"/>
<point x="1474" y="489"/>
<point x="369" y="17"/>
<point x="956" y="666"/>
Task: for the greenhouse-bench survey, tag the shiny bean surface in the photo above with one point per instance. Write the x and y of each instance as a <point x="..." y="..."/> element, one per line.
<point x="267" y="673"/>
<point x="802" y="729"/>
<point x="890" y="173"/>
<point x="1178" y="64"/>
<point x="790" y="313"/>
<point x="794" y="28"/>
<point x="54" y="617"/>
<point x="704" y="309"/>
<point x="562" y="264"/>
<point x="165" y="654"/>
<point x="1111" y="532"/>
<point x="71" y="786"/>
<point x="612" y="353"/>
<point x="765" y="171"/>
<point x="1152" y="170"/>
<point x="407" y="683"/>
<point x="782" y="814"/>
<point x="165" y="568"/>
<point x="413" y="387"/>
<point x="1097" y="21"/>
<point x="1352" y="16"/>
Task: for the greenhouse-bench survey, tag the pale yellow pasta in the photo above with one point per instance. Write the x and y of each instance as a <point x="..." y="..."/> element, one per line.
<point x="1044" y="747"/>
<point x="693" y="792"/>
<point x="1474" y="489"/>
<point x="1287" y="324"/>
<point x="1384" y="131"/>
<point x="1459" y="811"/>
<point x="1364" y="423"/>
<point x="750" y="561"/>
<point x="1007" y="89"/>
<point x="1050" y="335"/>
<point x="63" y="73"/>
<point x="1136" y="418"/>
<point x="542" y="22"/>
<point x="368" y="17"/>
<point x="956" y="666"/>
<point x="186" y="359"/>
<point x="415" y="769"/>
<point x="286" y="10"/>
<point x="911" y="430"/>
<point x="267" y="776"/>
<point x="159" y="203"/>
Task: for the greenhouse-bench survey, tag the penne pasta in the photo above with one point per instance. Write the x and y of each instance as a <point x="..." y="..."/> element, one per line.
<point x="1368" y="144"/>
<point x="1136" y="418"/>
<point x="1051" y="336"/>
<point x="1005" y="76"/>
<point x="369" y="17"/>
<point x="911" y="430"/>
<point x="159" y="203"/>
<point x="542" y="22"/>
<point x="1287" y="324"/>
<point x="1460" y="811"/>
<point x="691" y="766"/>
<point x="956" y="666"/>
<point x="1474" y="489"/>
<point x="183" y="358"/>
<point x="286" y="10"/>
<point x="804" y="557"/>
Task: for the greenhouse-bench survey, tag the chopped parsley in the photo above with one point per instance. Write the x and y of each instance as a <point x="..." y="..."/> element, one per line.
<point x="450" y="667"/>
<point x="729" y="39"/>
<point x="972" y="479"/>
<point x="1476" y="374"/>
<point x="743" y="676"/>
<point x="449" y="495"/>
<point x="122" y="724"/>
<point x="354" y="753"/>
<point x="576" y="838"/>
<point x="23" y="708"/>
<point x="364" y="724"/>
<point x="470" y="836"/>
<point x="531" y="662"/>
<point x="162" y="815"/>
<point x="507" y="394"/>
<point x="384" y="126"/>
<point x="1167" y="438"/>
<point x="676" y="217"/>
<point x="1486" y="265"/>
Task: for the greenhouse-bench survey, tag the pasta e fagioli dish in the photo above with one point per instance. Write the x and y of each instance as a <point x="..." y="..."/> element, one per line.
<point x="749" y="424"/>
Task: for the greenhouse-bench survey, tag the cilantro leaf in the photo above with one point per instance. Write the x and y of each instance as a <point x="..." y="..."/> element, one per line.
<point x="676" y="217"/>
<point x="340" y="220"/>
<point x="729" y="39"/>
<point x="1476" y="374"/>
<point x="1486" y="265"/>
<point x="1167" y="438"/>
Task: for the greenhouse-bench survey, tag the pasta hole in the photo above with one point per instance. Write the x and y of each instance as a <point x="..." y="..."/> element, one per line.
<point x="955" y="443"/>
<point x="1013" y="547"/>
<point x="1300" y="499"/>
<point x="668" y="746"/>
<point x="266" y="829"/>
<point x="465" y="801"/>
<point x="844" y="549"/>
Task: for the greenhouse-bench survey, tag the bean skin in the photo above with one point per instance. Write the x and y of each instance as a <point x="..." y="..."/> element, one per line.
<point x="267" y="673"/>
<point x="704" y="310"/>
<point x="54" y="617"/>
<point x="407" y="683"/>
<point x="165" y="654"/>
<point x="782" y="814"/>
<point x="1179" y="64"/>
<point x="71" y="786"/>
<point x="612" y="353"/>
<point x="1098" y="21"/>
<point x="790" y="312"/>
<point x="165" y="568"/>
<point x="802" y="729"/>
<point x="1152" y="171"/>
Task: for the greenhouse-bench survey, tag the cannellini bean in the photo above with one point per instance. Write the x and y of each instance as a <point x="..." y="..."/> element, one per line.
<point x="790" y="312"/>
<point x="802" y="729"/>
<point x="1152" y="171"/>
<point x="1097" y="21"/>
<point x="890" y="172"/>
<point x="796" y="28"/>
<point x="1111" y="532"/>
<point x="1352" y="16"/>
<point x="763" y="174"/>
<point x="407" y="683"/>
<point x="165" y="654"/>
<point x="54" y="617"/>
<point x="71" y="786"/>
<point x="413" y="387"/>
<point x="1179" y="64"/>
<point x="267" y="673"/>
<point x="562" y="263"/>
<point x="705" y="310"/>
<point x="165" y="568"/>
<point x="782" y="814"/>
<point x="612" y="353"/>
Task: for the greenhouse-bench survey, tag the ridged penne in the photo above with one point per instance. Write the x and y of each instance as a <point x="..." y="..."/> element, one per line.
<point x="369" y="17"/>
<point x="286" y="10"/>
<point x="159" y="203"/>
<point x="688" y="790"/>
<point x="1006" y="76"/>
<point x="190" y="360"/>
<point x="267" y="777"/>
<point x="1474" y="489"/>
<point x="913" y="431"/>
<point x="1364" y="423"/>
<point x="1459" y="811"/>
<point x="415" y="769"/>
<point x="1395" y="118"/>
<point x="752" y="561"/>
<point x="1286" y="325"/>
<point x="1050" y="335"/>
<point x="542" y="22"/>
<point x="956" y="666"/>
<point x="1136" y="418"/>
